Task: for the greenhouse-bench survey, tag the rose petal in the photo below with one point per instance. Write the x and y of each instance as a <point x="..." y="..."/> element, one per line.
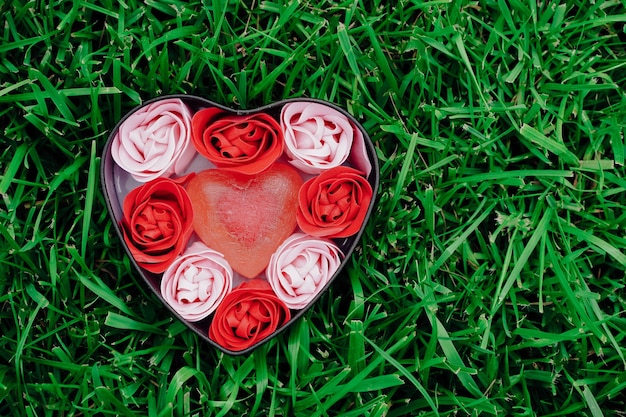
<point x="358" y="157"/>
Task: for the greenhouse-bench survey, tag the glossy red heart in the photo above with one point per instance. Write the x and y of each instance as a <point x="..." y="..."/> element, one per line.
<point x="245" y="217"/>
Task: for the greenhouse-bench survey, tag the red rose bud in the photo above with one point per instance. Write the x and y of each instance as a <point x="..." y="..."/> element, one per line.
<point x="157" y="223"/>
<point x="334" y="204"/>
<point x="247" y="315"/>
<point x="246" y="144"/>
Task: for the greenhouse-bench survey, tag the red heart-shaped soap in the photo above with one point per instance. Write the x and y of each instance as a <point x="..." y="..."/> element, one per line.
<point x="245" y="217"/>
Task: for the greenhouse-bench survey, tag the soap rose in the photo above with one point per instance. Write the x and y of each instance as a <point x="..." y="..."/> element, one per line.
<point x="247" y="144"/>
<point x="301" y="267"/>
<point x="334" y="204"/>
<point x="196" y="282"/>
<point x="248" y="314"/>
<point x="318" y="137"/>
<point x="155" y="141"/>
<point x="157" y="223"/>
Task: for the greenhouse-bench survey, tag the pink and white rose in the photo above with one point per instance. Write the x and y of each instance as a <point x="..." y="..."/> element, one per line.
<point x="155" y="141"/>
<point x="319" y="137"/>
<point x="197" y="282"/>
<point x="301" y="267"/>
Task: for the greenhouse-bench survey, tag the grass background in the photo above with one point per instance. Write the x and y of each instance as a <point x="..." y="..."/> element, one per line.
<point x="490" y="280"/>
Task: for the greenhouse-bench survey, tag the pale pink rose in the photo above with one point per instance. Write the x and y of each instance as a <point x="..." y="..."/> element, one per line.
<point x="196" y="282"/>
<point x="301" y="267"/>
<point x="318" y="137"/>
<point x="155" y="141"/>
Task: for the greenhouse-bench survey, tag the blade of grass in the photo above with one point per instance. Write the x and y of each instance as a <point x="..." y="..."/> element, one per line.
<point x="17" y="161"/>
<point x="387" y="356"/>
<point x="99" y="288"/>
<point x="348" y="51"/>
<point x="407" y="164"/>
<point x="89" y="197"/>
<point x="596" y="243"/>
<point x="118" y="321"/>
<point x="548" y="144"/>
<point x="593" y="405"/>
<point x="457" y="241"/>
<point x="453" y="359"/>
<point x="522" y="261"/>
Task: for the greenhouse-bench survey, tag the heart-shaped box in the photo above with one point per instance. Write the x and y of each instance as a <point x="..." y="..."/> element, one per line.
<point x="118" y="183"/>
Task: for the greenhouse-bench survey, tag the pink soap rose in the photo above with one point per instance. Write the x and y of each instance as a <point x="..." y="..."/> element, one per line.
<point x="155" y="141"/>
<point x="196" y="282"/>
<point x="318" y="137"/>
<point x="301" y="267"/>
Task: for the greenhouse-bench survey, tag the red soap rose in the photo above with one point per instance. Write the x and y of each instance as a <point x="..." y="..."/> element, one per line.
<point x="334" y="204"/>
<point x="247" y="315"/>
<point x="157" y="223"/>
<point x="247" y="144"/>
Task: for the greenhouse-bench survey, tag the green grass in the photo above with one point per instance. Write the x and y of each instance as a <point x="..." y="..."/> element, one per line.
<point x="490" y="280"/>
